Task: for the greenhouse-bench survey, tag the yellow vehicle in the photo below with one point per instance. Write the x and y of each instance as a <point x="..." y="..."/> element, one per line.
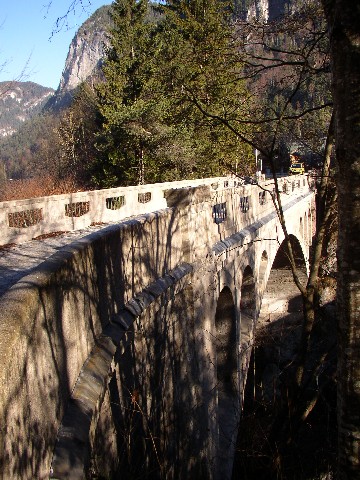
<point x="297" y="169"/>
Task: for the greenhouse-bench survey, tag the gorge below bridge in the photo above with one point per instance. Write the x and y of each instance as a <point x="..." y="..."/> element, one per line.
<point x="126" y="351"/>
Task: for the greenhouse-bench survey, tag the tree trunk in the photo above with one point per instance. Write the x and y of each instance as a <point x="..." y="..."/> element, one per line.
<point x="344" y="28"/>
<point x="141" y="177"/>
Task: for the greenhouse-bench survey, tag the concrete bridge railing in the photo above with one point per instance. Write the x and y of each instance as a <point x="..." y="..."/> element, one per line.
<point x="127" y="351"/>
<point x="23" y="220"/>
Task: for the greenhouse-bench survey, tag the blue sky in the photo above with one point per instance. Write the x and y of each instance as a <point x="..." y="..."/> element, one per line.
<point x="26" y="39"/>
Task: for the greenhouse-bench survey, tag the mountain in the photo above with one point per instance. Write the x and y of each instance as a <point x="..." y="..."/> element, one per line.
<point x="87" y="50"/>
<point x="20" y="101"/>
<point x="85" y="56"/>
<point x="265" y="10"/>
<point x="30" y="113"/>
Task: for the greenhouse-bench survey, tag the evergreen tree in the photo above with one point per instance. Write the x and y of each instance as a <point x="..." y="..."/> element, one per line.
<point x="157" y="75"/>
<point x="199" y="67"/>
<point x="129" y="113"/>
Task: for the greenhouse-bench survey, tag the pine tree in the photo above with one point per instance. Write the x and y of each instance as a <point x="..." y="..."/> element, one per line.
<point x="200" y="68"/>
<point x="126" y="112"/>
<point x="158" y="77"/>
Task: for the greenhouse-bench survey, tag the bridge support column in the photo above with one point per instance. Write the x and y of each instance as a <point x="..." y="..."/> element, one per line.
<point x="228" y="404"/>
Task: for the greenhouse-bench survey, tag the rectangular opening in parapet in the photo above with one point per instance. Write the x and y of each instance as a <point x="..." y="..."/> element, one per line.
<point x="144" y="197"/>
<point x="262" y="197"/>
<point x="25" y="218"/>
<point x="115" y="203"/>
<point x="77" y="209"/>
<point x="219" y="212"/>
<point x="244" y="204"/>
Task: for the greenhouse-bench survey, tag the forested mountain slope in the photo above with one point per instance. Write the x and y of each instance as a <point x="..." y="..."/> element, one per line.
<point x="20" y="101"/>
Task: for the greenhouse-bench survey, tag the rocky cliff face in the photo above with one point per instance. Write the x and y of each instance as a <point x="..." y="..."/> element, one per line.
<point x="19" y="101"/>
<point x="265" y="10"/>
<point x="85" y="56"/>
<point x="86" y="51"/>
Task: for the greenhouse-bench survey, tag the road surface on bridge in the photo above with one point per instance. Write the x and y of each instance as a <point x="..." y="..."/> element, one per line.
<point x="17" y="261"/>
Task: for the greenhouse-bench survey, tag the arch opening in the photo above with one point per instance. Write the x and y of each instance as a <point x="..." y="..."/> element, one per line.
<point x="281" y="296"/>
<point x="263" y="264"/>
<point x="282" y="257"/>
<point x="227" y="382"/>
<point x="247" y="326"/>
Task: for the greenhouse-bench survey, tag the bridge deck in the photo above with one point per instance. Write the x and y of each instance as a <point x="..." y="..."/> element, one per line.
<point x="17" y="261"/>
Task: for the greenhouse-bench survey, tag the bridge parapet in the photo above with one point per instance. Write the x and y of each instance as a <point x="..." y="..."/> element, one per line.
<point x="26" y="219"/>
<point x="23" y="220"/>
<point x="212" y="213"/>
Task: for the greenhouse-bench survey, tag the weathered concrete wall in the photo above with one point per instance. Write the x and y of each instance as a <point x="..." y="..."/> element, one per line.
<point x="22" y="220"/>
<point x="50" y="320"/>
<point x="110" y="351"/>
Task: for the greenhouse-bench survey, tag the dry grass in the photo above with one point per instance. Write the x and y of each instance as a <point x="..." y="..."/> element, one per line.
<point x="37" y="187"/>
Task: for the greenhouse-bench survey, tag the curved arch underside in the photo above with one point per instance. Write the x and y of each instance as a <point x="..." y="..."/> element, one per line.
<point x="281" y="295"/>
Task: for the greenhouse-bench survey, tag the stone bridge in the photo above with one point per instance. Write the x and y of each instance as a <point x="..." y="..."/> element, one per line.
<point x="126" y="352"/>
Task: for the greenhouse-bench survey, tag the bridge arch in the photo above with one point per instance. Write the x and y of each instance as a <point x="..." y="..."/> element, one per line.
<point x="280" y="289"/>
<point x="225" y="325"/>
<point x="264" y="260"/>
<point x="299" y="250"/>
<point x="248" y="316"/>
